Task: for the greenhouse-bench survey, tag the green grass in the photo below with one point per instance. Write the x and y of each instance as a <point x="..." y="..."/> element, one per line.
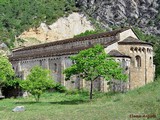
<point x="59" y="106"/>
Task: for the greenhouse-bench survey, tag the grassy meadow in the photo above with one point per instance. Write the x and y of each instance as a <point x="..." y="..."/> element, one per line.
<point x="104" y="106"/>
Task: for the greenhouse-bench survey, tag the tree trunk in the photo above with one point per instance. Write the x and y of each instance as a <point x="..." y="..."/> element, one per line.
<point x="37" y="97"/>
<point x="91" y="89"/>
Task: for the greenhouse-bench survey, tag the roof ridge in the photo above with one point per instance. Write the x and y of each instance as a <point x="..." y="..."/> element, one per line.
<point x="116" y="53"/>
<point x="131" y="40"/>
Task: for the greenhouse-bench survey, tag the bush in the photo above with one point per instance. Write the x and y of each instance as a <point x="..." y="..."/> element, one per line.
<point x="60" y="88"/>
<point x="76" y="91"/>
<point x="72" y="92"/>
<point x="38" y="81"/>
<point x="86" y="33"/>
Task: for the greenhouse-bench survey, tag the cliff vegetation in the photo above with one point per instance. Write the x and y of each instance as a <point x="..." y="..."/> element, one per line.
<point x="17" y="16"/>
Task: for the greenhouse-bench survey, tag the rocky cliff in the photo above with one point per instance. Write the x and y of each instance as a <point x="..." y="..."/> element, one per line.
<point x="142" y="13"/>
<point x="63" y="28"/>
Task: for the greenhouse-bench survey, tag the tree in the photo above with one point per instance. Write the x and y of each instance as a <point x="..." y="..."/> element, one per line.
<point x="93" y="63"/>
<point x="157" y="62"/>
<point x="37" y="82"/>
<point x="6" y="71"/>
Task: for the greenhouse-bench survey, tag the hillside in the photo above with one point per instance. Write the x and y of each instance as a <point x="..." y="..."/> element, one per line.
<point x="144" y="14"/>
<point x="17" y="16"/>
<point x="63" y="28"/>
<point x="143" y="102"/>
<point x="28" y="15"/>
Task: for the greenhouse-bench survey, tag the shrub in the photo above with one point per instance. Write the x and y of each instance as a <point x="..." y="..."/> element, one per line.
<point x="60" y="88"/>
<point x="38" y="81"/>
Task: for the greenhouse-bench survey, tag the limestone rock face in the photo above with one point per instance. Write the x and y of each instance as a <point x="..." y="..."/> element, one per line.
<point x="4" y="50"/>
<point x="142" y="13"/>
<point x="63" y="28"/>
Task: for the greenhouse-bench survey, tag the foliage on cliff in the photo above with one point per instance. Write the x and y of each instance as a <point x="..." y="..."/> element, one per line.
<point x="87" y="32"/>
<point x="19" y="15"/>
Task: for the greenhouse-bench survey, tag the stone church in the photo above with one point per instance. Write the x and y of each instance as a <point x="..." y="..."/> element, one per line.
<point x="134" y="55"/>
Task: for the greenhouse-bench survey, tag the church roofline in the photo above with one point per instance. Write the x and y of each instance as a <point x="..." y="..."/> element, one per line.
<point x="116" y="53"/>
<point x="54" y="53"/>
<point x="130" y="40"/>
<point x="135" y="43"/>
<point x="89" y="37"/>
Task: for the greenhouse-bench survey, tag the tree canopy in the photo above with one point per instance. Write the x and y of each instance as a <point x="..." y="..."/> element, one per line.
<point x="6" y="71"/>
<point x="37" y="82"/>
<point x="93" y="63"/>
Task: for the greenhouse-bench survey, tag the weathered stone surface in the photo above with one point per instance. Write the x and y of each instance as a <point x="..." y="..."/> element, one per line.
<point x="63" y="28"/>
<point x="55" y="56"/>
<point x="4" y="50"/>
<point x="124" y="12"/>
<point x="19" y="109"/>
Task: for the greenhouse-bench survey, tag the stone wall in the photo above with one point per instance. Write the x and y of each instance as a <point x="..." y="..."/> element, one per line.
<point x="144" y="72"/>
<point x="56" y="65"/>
<point x="55" y="56"/>
<point x="57" y="48"/>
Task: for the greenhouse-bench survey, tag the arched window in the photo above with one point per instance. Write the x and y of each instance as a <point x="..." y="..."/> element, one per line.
<point x="151" y="62"/>
<point x="118" y="60"/>
<point x="136" y="49"/>
<point x="89" y="43"/>
<point x="140" y="50"/>
<point x="143" y="50"/>
<point x="55" y="67"/>
<point x="137" y="61"/>
<point x="131" y="49"/>
<point x="123" y="63"/>
<point x="40" y="62"/>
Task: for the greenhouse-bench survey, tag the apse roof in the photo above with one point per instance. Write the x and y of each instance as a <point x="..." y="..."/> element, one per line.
<point x="116" y="53"/>
<point x="132" y="40"/>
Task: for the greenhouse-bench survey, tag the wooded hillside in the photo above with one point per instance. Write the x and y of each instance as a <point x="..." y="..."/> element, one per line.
<point x="19" y="15"/>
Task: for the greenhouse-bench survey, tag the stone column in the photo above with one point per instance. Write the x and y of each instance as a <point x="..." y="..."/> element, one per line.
<point x="19" y="66"/>
<point x="46" y="63"/>
<point x="62" y="76"/>
<point x="82" y="84"/>
<point x="103" y="85"/>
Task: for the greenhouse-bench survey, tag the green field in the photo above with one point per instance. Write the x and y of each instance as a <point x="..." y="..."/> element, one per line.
<point x="61" y="106"/>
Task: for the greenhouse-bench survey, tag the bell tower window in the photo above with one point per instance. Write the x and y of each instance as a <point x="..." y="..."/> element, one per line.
<point x="137" y="61"/>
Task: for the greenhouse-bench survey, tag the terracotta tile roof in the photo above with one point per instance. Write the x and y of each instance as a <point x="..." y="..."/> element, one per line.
<point x="116" y="53"/>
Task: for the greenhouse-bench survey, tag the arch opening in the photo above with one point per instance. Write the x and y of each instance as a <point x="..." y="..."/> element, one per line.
<point x="137" y="61"/>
